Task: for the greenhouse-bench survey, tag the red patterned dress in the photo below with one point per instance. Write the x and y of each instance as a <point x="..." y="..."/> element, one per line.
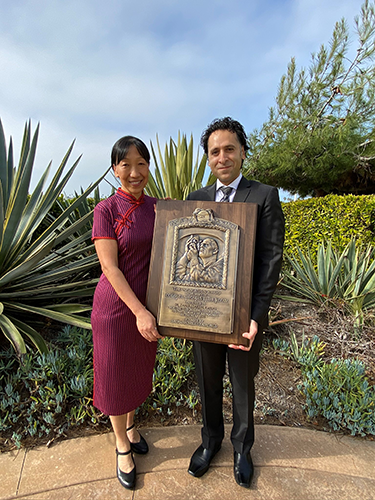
<point x="123" y="359"/>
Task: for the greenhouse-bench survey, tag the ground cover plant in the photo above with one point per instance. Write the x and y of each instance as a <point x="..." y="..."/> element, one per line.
<point x="47" y="393"/>
<point x="47" y="396"/>
<point x="337" y="390"/>
<point x="62" y="380"/>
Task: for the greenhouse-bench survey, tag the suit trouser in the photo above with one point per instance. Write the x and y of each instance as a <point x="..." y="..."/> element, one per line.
<point x="210" y="361"/>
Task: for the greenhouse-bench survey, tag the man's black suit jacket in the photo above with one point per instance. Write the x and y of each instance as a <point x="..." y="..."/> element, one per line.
<point x="269" y="240"/>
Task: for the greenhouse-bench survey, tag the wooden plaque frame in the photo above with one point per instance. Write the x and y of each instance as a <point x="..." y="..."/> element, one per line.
<point x="242" y="214"/>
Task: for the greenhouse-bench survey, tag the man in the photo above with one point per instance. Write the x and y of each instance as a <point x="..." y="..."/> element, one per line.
<point x="200" y="261"/>
<point x="209" y="268"/>
<point x="225" y="143"/>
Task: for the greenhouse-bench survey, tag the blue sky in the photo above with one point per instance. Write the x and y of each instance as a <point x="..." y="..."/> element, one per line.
<point x="95" y="71"/>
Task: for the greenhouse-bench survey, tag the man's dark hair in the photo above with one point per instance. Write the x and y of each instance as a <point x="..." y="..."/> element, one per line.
<point x="226" y="123"/>
<point x="121" y="148"/>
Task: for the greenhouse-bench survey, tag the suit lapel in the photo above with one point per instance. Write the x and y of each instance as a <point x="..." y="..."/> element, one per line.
<point x="242" y="193"/>
<point x="243" y="190"/>
<point x="211" y="191"/>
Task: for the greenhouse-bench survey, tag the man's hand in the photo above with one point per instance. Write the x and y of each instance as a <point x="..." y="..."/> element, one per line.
<point x="253" y="330"/>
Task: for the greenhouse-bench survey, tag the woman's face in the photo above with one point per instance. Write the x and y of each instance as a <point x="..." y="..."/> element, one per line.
<point x="132" y="172"/>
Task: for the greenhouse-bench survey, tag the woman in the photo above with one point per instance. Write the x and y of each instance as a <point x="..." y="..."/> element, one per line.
<point x="124" y="331"/>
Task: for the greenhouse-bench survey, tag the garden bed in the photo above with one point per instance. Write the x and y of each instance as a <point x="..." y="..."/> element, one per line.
<point x="279" y="400"/>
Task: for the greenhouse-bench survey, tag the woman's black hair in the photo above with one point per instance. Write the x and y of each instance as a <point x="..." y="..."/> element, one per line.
<point x="226" y="123"/>
<point x="121" y="148"/>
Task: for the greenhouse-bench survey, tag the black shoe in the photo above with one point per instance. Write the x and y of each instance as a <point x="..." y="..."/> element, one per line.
<point x="141" y="447"/>
<point x="127" y="479"/>
<point x="243" y="469"/>
<point x="200" y="461"/>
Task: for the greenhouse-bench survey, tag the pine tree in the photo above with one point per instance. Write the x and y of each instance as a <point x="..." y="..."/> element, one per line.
<point x="320" y="136"/>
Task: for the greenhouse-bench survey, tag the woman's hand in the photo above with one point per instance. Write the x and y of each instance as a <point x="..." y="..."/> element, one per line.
<point x="107" y="251"/>
<point x="146" y="325"/>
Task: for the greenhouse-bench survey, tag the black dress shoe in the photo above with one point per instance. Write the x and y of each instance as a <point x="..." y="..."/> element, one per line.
<point x="243" y="469"/>
<point x="200" y="461"/>
<point x="141" y="447"/>
<point x="127" y="479"/>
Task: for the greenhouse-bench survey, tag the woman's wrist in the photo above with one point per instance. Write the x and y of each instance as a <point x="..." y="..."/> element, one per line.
<point x="138" y="309"/>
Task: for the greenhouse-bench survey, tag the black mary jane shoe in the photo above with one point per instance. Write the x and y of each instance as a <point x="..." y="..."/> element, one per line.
<point x="141" y="448"/>
<point x="127" y="479"/>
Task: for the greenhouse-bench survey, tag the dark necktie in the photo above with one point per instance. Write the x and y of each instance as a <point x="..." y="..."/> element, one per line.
<point x="227" y="191"/>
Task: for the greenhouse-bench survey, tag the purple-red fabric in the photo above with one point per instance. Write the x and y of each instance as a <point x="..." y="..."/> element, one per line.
<point x="123" y="359"/>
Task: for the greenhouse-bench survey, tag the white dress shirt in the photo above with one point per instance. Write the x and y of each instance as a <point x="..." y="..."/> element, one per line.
<point x="234" y="185"/>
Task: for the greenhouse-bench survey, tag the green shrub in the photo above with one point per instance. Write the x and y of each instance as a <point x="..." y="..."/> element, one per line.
<point x="338" y="391"/>
<point x="331" y="218"/>
<point x="174" y="369"/>
<point x="49" y="393"/>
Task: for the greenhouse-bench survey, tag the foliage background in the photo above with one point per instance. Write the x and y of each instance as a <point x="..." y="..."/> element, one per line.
<point x="319" y="137"/>
<point x="332" y="218"/>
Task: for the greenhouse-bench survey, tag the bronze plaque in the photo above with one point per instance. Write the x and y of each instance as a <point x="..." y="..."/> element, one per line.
<point x="199" y="272"/>
<point x="201" y="269"/>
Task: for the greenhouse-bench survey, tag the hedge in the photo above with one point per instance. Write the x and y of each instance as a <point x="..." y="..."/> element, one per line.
<point x="332" y="217"/>
<point x="308" y="222"/>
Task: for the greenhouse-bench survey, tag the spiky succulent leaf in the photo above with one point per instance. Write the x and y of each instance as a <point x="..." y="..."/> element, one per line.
<point x="31" y="333"/>
<point x="347" y="277"/>
<point x="175" y="176"/>
<point x="70" y="319"/>
<point x="12" y="334"/>
<point x="42" y="266"/>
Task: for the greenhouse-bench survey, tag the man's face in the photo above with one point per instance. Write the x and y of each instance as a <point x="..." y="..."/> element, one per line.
<point x="207" y="248"/>
<point x="225" y="155"/>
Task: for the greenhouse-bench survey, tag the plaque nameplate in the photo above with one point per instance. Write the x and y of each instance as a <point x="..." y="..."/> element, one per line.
<point x="198" y="279"/>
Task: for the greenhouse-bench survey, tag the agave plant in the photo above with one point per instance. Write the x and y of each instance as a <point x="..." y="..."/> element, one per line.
<point x="84" y="208"/>
<point x="347" y="277"/>
<point x="176" y="176"/>
<point x="41" y="271"/>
